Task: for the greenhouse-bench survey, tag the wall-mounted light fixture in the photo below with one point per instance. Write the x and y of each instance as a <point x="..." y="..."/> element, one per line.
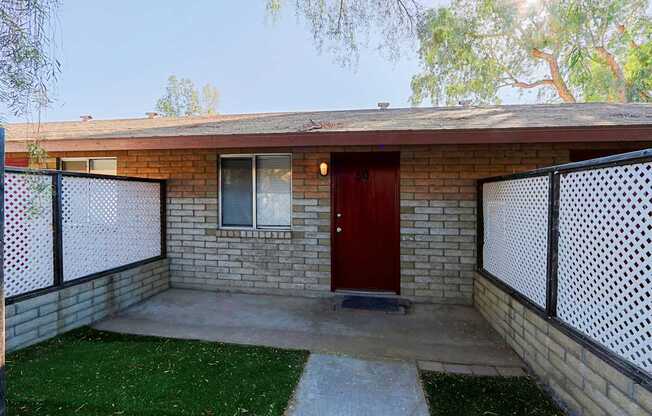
<point x="323" y="168"/>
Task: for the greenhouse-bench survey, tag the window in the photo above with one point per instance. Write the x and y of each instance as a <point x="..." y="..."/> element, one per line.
<point x="256" y="191"/>
<point x="99" y="166"/>
<point x="75" y="165"/>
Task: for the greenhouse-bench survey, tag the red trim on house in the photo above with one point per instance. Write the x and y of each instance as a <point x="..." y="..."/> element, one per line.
<point x="17" y="162"/>
<point x="630" y="133"/>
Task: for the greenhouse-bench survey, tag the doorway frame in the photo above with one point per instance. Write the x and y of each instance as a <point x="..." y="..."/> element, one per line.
<point x="396" y="290"/>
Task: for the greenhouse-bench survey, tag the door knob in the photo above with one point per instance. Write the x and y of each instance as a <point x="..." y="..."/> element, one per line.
<point x="339" y="215"/>
<point x="338" y="229"/>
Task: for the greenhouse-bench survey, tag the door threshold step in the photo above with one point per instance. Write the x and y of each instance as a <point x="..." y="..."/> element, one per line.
<point x="369" y="293"/>
<point x="391" y="305"/>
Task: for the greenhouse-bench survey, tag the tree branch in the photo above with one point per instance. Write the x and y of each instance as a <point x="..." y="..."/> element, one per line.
<point x="616" y="70"/>
<point x="623" y="31"/>
<point x="339" y="17"/>
<point x="406" y="11"/>
<point x="557" y="80"/>
<point x="529" y="85"/>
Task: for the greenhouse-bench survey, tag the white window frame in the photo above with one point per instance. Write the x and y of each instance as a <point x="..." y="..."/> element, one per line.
<point x="88" y="162"/>
<point x="254" y="196"/>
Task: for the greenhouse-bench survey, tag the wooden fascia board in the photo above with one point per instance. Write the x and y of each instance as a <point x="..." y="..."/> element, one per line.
<point x="361" y="138"/>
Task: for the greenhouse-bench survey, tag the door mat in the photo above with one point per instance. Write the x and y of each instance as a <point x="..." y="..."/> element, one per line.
<point x="373" y="303"/>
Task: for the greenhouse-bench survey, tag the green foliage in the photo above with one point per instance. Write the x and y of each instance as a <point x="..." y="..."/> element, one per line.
<point x="455" y="395"/>
<point x="27" y="62"/>
<point x="37" y="154"/>
<point x="455" y="69"/>
<point x="584" y="50"/>
<point x="93" y="373"/>
<point x="39" y="186"/>
<point x="273" y="6"/>
<point x="27" y="68"/>
<point x="39" y="195"/>
<point x="595" y="78"/>
<point x="182" y="99"/>
<point x="210" y="98"/>
<point x="638" y="73"/>
<point x="568" y="50"/>
<point x="341" y="27"/>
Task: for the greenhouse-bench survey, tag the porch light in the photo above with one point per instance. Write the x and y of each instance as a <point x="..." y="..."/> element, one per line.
<point x="323" y="168"/>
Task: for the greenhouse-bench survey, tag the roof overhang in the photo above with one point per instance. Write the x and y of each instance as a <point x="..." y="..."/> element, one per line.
<point x="628" y="133"/>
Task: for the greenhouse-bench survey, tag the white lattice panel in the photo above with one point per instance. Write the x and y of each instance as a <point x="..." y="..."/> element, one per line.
<point x="516" y="233"/>
<point x="108" y="223"/>
<point x="28" y="261"/>
<point x="605" y="260"/>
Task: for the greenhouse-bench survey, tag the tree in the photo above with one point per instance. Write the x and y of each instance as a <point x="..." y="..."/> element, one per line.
<point x="588" y="50"/>
<point x="27" y="54"/>
<point x="569" y="50"/>
<point x="638" y="72"/>
<point x="343" y="26"/>
<point x="27" y="66"/>
<point x="182" y="99"/>
<point x="210" y="97"/>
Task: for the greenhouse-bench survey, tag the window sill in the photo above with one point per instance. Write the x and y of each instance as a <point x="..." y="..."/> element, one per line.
<point x="248" y="233"/>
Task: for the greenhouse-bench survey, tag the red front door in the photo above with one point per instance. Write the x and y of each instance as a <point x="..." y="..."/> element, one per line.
<point x="366" y="247"/>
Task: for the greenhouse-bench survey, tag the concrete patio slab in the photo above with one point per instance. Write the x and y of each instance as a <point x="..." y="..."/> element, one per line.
<point x="442" y="333"/>
<point x="344" y="386"/>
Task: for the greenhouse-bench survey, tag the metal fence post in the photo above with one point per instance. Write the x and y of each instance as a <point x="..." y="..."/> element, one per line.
<point x="57" y="228"/>
<point x="163" y="201"/>
<point x="2" y="281"/>
<point x="480" y="226"/>
<point x="637" y="167"/>
<point x="553" y="243"/>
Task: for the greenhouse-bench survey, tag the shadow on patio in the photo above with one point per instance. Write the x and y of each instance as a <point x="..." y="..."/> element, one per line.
<point x="449" y="334"/>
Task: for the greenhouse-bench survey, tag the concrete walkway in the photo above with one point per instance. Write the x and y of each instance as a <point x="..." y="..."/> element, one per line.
<point x="430" y="333"/>
<point x="344" y="386"/>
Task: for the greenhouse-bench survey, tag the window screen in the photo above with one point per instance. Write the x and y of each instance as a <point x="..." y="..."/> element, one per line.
<point x="237" y="198"/>
<point x="103" y="166"/>
<point x="273" y="191"/>
<point x="75" y="165"/>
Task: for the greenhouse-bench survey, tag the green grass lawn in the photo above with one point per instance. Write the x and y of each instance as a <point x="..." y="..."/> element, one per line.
<point x="88" y="372"/>
<point x="461" y="395"/>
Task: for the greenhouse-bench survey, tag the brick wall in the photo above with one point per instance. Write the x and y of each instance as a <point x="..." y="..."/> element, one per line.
<point x="205" y="257"/>
<point x="39" y="318"/>
<point x="437" y="217"/>
<point x="583" y="382"/>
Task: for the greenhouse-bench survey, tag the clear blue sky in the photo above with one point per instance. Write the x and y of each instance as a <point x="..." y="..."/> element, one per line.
<point x="116" y="57"/>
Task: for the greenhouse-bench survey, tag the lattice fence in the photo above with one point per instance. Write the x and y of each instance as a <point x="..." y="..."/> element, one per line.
<point x="28" y="244"/>
<point x="600" y="257"/>
<point x="605" y="260"/>
<point x="515" y="234"/>
<point x="106" y="223"/>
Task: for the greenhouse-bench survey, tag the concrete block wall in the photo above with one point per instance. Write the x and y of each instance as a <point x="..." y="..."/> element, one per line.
<point x="584" y="383"/>
<point x="271" y="262"/>
<point x="438" y="217"/>
<point x="42" y="317"/>
<point x="438" y="211"/>
<point x="202" y="256"/>
<point x="437" y="220"/>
